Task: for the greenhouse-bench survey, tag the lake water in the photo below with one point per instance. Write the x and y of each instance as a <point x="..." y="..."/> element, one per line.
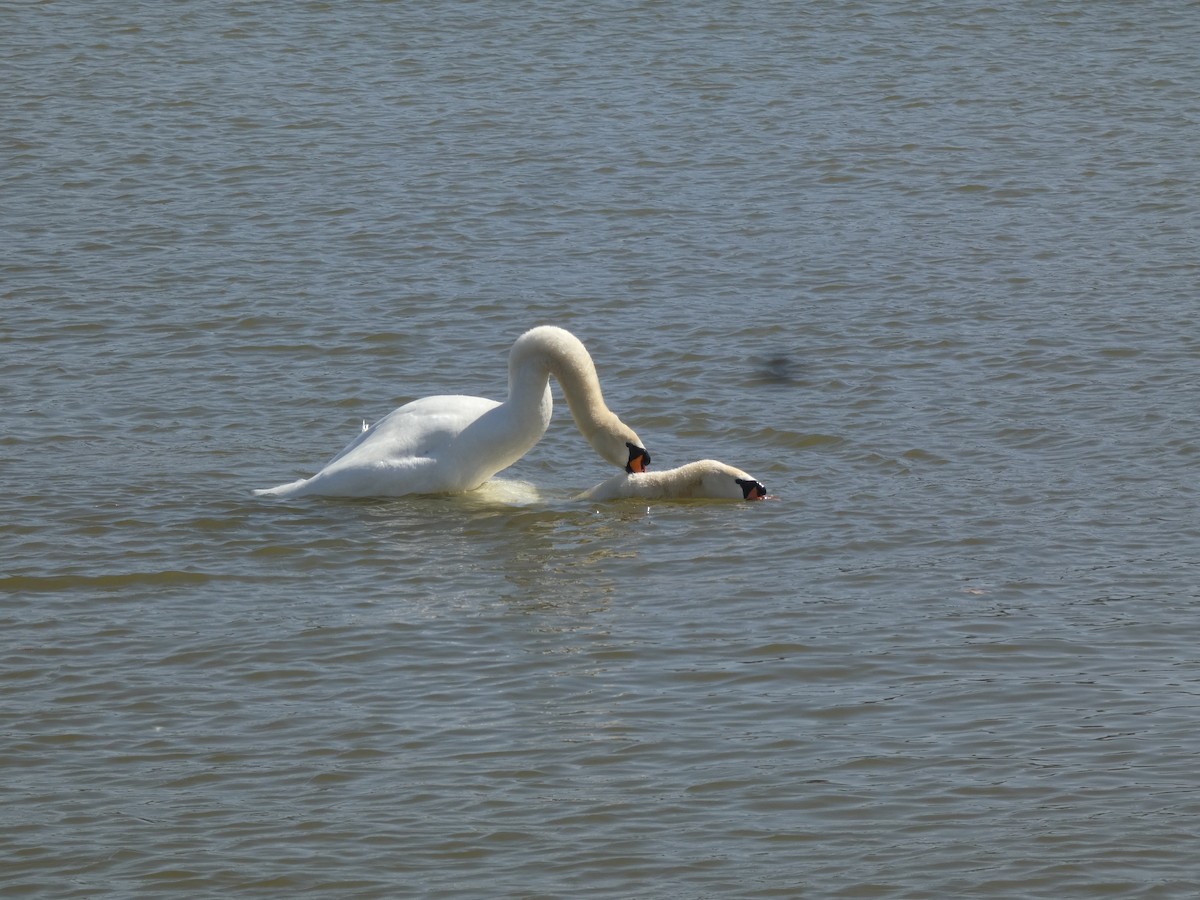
<point x="927" y="271"/>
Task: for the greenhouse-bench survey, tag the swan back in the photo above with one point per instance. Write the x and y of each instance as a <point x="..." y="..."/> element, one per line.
<point x="704" y="479"/>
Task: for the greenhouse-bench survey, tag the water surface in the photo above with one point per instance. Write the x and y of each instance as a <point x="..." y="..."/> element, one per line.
<point x="927" y="272"/>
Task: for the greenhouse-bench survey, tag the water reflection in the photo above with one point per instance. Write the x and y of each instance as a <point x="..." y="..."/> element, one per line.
<point x="506" y="543"/>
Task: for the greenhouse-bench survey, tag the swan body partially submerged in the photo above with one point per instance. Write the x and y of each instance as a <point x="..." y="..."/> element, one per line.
<point x="454" y="443"/>
<point x="705" y="479"/>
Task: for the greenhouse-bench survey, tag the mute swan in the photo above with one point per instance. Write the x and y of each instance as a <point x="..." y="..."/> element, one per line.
<point x="451" y="444"/>
<point x="704" y="479"/>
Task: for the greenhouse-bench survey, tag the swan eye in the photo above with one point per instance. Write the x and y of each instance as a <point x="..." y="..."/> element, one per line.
<point x="751" y="489"/>
<point x="639" y="458"/>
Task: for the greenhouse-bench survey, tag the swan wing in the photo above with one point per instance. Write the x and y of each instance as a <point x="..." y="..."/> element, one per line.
<point x="408" y="451"/>
<point x="422" y="429"/>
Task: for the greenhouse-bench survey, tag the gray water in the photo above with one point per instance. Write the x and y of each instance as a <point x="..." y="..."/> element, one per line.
<point x="927" y="271"/>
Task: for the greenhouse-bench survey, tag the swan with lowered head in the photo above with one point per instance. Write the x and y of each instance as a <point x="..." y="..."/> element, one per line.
<point x="706" y="479"/>
<point x="452" y="444"/>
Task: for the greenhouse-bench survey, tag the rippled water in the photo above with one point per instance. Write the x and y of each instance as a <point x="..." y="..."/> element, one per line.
<point x="929" y="272"/>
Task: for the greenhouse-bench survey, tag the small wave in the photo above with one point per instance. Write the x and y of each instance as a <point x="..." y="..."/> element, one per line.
<point x="111" y="582"/>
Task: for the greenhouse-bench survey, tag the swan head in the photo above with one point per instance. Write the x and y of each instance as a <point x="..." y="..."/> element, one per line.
<point x="752" y="488"/>
<point x="639" y="458"/>
<point x="617" y="443"/>
<point x="723" y="482"/>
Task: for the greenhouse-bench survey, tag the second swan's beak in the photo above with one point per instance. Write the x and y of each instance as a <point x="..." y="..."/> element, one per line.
<point x="751" y="489"/>
<point x="639" y="459"/>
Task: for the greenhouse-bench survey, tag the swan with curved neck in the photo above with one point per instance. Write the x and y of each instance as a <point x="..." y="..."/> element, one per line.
<point x="454" y="443"/>
<point x="705" y="479"/>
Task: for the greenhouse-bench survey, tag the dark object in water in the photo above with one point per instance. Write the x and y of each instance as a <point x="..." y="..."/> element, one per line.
<point x="779" y="369"/>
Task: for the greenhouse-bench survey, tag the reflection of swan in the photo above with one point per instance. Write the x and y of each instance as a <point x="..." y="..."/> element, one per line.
<point x="450" y="444"/>
<point x="704" y="479"/>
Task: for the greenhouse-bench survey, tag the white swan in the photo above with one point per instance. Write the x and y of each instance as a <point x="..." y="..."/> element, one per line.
<point x="704" y="479"/>
<point x="451" y="444"/>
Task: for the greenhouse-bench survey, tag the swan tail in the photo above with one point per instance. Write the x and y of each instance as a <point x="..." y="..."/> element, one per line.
<point x="291" y="489"/>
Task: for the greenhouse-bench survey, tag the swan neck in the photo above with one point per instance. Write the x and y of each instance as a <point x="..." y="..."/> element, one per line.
<point x="546" y="352"/>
